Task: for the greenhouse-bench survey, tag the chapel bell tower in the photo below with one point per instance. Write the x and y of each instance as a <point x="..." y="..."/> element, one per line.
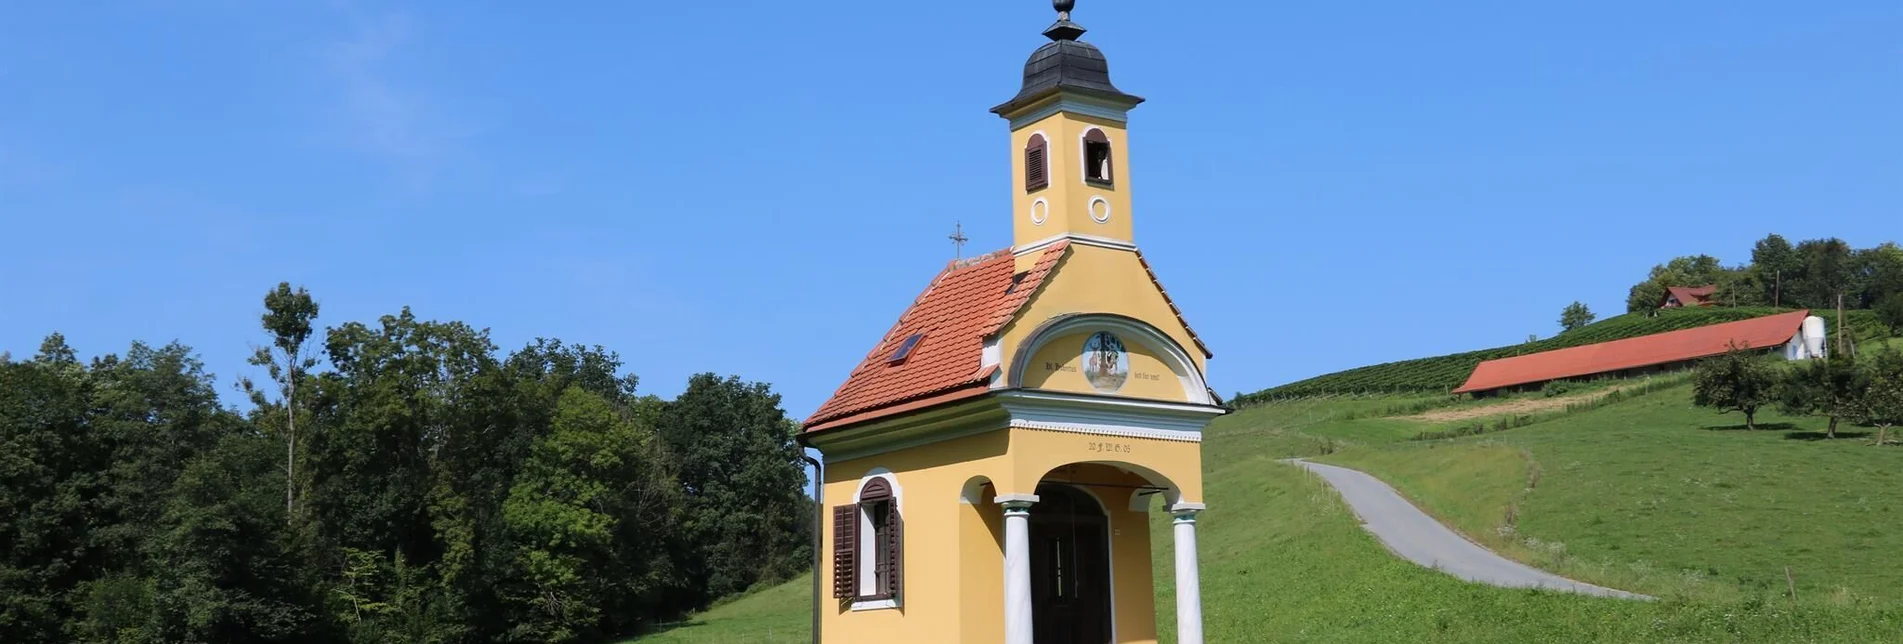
<point x="1070" y="170"/>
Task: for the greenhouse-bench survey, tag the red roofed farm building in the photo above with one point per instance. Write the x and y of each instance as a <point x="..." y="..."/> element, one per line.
<point x="1678" y="296"/>
<point x="1797" y="334"/>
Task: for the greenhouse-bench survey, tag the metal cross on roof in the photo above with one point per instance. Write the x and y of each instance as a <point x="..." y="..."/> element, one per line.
<point x="958" y="239"/>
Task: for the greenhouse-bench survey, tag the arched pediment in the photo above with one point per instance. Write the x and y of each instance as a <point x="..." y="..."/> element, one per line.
<point x="1107" y="354"/>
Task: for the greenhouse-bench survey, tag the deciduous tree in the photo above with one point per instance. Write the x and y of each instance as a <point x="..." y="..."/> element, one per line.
<point x="1740" y="380"/>
<point x="1831" y="387"/>
<point x="1775" y="262"/>
<point x="1881" y="404"/>
<point x="1826" y="266"/>
<point x="741" y="472"/>
<point x="1890" y="312"/>
<point x="1575" y="316"/>
<point x="287" y="317"/>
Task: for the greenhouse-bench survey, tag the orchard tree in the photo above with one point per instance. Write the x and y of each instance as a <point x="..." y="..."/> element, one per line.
<point x="1832" y="388"/>
<point x="1576" y="316"/>
<point x="1740" y="381"/>
<point x="1881" y="404"/>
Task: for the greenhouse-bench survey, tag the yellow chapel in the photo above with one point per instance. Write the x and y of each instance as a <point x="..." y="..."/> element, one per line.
<point x="990" y="466"/>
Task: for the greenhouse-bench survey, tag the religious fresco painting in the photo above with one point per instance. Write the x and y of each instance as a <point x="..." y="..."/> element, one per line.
<point x="1106" y="364"/>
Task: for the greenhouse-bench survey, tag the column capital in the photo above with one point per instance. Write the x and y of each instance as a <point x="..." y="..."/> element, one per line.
<point x="1017" y="501"/>
<point x="1186" y="512"/>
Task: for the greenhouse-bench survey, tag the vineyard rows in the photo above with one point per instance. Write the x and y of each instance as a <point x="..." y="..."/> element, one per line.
<point x="1443" y="373"/>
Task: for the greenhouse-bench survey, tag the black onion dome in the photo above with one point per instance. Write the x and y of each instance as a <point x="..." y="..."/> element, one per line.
<point x="1066" y="63"/>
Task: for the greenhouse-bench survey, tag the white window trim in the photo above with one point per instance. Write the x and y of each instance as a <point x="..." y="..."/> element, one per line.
<point x="876" y="604"/>
<point x="867" y="550"/>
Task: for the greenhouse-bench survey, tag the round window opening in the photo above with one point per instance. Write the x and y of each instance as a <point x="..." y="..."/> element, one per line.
<point x="1100" y="210"/>
<point x="1106" y="364"/>
<point x="1040" y="210"/>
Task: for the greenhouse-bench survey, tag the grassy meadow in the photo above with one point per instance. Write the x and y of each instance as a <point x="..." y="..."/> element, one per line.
<point x="1646" y="493"/>
<point x="775" y="615"/>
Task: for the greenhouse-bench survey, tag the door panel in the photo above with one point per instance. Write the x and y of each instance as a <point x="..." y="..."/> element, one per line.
<point x="1070" y="575"/>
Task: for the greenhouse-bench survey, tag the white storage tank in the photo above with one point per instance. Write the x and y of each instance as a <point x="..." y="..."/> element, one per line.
<point x="1809" y="342"/>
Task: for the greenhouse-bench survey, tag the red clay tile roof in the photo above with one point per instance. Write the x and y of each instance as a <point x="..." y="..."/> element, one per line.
<point x="965" y="305"/>
<point x="1645" y="351"/>
<point x="1691" y="295"/>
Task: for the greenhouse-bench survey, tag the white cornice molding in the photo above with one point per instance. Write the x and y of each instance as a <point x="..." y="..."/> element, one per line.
<point x="1075" y="238"/>
<point x="1058" y="411"/>
<point x="1119" y="431"/>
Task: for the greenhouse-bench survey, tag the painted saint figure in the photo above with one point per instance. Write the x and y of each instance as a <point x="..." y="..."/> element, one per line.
<point x="1105" y="365"/>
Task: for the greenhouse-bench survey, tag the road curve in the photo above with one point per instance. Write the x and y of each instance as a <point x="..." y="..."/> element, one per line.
<point x="1417" y="537"/>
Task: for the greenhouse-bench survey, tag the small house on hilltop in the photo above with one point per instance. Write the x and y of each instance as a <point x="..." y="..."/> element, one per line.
<point x="1798" y="335"/>
<point x="1680" y="296"/>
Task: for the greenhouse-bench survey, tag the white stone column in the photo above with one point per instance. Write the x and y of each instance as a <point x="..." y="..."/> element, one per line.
<point x="1017" y="567"/>
<point x="1189" y="585"/>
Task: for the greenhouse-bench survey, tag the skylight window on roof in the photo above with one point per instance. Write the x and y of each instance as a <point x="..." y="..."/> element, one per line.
<point x="1016" y="279"/>
<point x="906" y="347"/>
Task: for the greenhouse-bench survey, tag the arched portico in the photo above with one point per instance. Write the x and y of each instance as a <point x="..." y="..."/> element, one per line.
<point x="1101" y="563"/>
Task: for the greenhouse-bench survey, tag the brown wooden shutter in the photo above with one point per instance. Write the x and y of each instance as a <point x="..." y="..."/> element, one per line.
<point x="846" y="551"/>
<point x="895" y="549"/>
<point x="1036" y="167"/>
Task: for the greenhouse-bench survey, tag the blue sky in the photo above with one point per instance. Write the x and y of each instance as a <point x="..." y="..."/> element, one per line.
<point x="759" y="188"/>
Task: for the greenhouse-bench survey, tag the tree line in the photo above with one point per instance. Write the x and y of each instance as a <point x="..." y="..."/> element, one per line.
<point x="1811" y="274"/>
<point x="1840" y="388"/>
<point x="399" y="481"/>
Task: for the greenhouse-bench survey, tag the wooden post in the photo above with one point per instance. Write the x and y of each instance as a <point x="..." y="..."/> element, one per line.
<point x="1841" y="329"/>
<point x="1790" y="583"/>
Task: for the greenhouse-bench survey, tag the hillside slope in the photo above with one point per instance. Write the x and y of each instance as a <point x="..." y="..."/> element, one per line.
<point x="1444" y="373"/>
<point x="1640" y="491"/>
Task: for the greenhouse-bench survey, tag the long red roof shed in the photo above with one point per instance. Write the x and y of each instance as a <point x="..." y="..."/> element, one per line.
<point x="1631" y="353"/>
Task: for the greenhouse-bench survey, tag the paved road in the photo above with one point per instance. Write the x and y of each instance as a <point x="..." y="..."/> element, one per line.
<point x="1417" y="537"/>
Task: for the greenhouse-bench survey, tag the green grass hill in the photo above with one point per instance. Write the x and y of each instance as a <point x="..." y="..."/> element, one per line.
<point x="1642" y="492"/>
<point x="1444" y="373"/>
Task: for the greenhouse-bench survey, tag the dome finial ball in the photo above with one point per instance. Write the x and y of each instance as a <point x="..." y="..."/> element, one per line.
<point x="1064" y="6"/>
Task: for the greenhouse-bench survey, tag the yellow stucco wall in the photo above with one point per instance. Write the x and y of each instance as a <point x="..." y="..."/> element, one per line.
<point x="953" y="550"/>
<point x="1069" y="197"/>
<point x="1094" y="279"/>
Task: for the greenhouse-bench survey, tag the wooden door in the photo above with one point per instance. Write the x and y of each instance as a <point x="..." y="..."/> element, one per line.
<point x="1070" y="569"/>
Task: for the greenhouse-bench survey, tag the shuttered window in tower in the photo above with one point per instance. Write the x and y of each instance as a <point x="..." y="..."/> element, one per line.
<point x="1037" y="175"/>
